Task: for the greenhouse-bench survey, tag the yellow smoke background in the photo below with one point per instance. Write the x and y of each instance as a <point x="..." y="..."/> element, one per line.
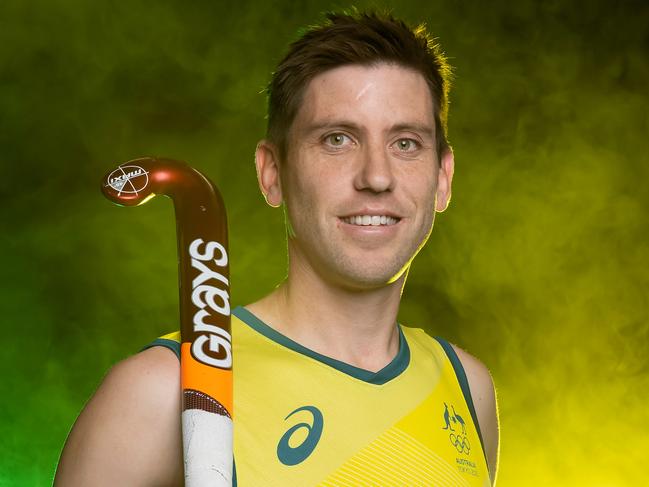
<point x="538" y="267"/>
<point x="541" y="262"/>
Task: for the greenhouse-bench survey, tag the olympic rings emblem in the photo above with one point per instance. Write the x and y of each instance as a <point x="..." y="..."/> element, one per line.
<point x="461" y="443"/>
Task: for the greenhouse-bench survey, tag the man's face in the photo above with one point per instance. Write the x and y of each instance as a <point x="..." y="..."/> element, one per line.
<point x="361" y="174"/>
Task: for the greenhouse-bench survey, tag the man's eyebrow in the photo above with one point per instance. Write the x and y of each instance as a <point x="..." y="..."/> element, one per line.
<point x="420" y="128"/>
<point x="331" y="124"/>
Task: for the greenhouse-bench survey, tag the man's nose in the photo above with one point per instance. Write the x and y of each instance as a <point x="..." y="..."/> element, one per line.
<point x="375" y="171"/>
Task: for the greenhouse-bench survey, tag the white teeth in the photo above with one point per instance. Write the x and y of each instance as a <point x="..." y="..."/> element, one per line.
<point x="370" y="220"/>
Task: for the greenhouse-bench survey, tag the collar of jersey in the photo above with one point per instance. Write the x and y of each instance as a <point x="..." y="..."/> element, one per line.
<point x="387" y="373"/>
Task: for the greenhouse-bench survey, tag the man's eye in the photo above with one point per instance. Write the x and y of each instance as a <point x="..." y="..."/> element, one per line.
<point x="336" y="140"/>
<point x="407" y="145"/>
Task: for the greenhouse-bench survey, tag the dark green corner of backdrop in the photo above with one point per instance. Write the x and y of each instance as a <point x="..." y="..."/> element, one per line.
<point x="539" y="267"/>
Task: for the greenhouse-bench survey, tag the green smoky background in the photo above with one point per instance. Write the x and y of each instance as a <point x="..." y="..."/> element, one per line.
<point x="539" y="267"/>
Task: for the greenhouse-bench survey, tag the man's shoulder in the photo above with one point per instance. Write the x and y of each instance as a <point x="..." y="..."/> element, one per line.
<point x="477" y="372"/>
<point x="154" y="362"/>
<point x="129" y="430"/>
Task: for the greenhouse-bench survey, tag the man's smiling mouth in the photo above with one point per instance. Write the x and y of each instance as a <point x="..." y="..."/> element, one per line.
<point x="370" y="220"/>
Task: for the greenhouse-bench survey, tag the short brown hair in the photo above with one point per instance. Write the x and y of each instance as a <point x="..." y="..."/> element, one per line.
<point x="366" y="39"/>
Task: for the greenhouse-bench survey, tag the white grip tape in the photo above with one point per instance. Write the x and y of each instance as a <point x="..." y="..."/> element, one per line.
<point x="207" y="444"/>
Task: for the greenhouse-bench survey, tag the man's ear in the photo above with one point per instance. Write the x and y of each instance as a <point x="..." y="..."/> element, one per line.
<point x="267" y="162"/>
<point x="444" y="180"/>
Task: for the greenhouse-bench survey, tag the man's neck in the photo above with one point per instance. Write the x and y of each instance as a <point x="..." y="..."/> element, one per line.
<point x="354" y="326"/>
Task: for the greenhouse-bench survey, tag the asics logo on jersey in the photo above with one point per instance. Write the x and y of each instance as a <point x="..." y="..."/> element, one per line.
<point x="208" y="299"/>
<point x="292" y="455"/>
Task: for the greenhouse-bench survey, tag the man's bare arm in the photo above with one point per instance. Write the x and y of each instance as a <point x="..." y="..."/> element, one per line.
<point x="483" y="394"/>
<point x="129" y="433"/>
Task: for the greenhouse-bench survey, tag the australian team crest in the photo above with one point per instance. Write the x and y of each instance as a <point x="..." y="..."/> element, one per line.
<point x="457" y="430"/>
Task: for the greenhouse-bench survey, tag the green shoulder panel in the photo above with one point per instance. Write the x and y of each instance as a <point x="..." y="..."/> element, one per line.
<point x="170" y="341"/>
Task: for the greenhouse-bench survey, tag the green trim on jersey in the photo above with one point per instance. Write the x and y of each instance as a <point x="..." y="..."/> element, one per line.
<point x="387" y="373"/>
<point x="173" y="345"/>
<point x="464" y="384"/>
<point x="360" y="441"/>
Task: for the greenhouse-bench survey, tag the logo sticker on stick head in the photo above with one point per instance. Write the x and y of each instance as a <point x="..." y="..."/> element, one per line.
<point x="128" y="179"/>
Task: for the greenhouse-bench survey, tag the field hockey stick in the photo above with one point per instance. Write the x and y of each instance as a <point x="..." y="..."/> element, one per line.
<point x="206" y="343"/>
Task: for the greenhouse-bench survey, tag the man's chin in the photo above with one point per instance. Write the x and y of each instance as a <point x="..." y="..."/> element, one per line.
<point x="360" y="280"/>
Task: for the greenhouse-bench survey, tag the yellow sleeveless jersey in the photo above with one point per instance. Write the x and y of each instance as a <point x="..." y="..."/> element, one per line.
<point x="303" y="419"/>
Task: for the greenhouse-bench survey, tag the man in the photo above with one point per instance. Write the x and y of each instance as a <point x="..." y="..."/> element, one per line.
<point x="329" y="389"/>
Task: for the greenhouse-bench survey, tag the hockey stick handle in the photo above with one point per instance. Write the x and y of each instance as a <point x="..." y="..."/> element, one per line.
<point x="206" y="342"/>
